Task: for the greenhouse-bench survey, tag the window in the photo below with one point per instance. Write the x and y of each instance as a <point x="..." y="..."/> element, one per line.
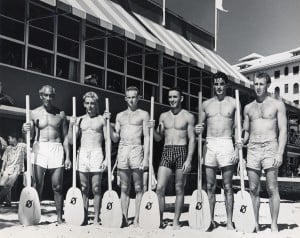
<point x="67" y="68"/>
<point x="296" y="70"/>
<point x="40" y="61"/>
<point x="136" y="83"/>
<point x="286" y="71"/>
<point x="151" y="90"/>
<point x="115" y="82"/>
<point x="94" y="76"/>
<point x="277" y="91"/>
<point x="277" y="74"/>
<point x="286" y="88"/>
<point x="11" y="53"/>
<point x="296" y="88"/>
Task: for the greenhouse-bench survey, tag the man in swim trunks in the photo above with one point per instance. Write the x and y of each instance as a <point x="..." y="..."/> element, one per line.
<point x="176" y="126"/>
<point x="91" y="129"/>
<point x="219" y="114"/>
<point x="130" y="128"/>
<point x="49" y="126"/>
<point x="265" y="126"/>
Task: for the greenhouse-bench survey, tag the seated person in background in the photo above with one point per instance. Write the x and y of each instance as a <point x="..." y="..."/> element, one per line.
<point x="5" y="99"/>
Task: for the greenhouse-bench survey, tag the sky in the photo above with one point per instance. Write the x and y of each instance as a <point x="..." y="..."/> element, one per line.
<point x="261" y="26"/>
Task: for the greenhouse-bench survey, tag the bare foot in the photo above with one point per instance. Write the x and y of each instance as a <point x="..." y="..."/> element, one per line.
<point x="257" y="228"/>
<point x="176" y="226"/>
<point x="230" y="226"/>
<point x="59" y="220"/>
<point x="96" y="221"/>
<point x="135" y="224"/>
<point x="274" y="228"/>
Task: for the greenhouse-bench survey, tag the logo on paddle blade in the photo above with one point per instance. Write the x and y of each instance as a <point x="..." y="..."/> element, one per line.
<point x="148" y="205"/>
<point x="109" y="206"/>
<point x="199" y="206"/>
<point x="73" y="200"/>
<point x="243" y="209"/>
<point x="29" y="203"/>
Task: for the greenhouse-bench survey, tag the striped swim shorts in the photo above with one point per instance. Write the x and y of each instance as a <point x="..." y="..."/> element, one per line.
<point x="173" y="156"/>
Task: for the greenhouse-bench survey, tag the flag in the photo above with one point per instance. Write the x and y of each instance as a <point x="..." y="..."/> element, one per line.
<point x="219" y="5"/>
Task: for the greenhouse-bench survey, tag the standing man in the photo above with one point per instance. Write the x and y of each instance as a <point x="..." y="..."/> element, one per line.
<point x="90" y="129"/>
<point x="219" y="113"/>
<point x="265" y="126"/>
<point x="49" y="127"/>
<point x="131" y="129"/>
<point x="176" y="126"/>
<point x="12" y="166"/>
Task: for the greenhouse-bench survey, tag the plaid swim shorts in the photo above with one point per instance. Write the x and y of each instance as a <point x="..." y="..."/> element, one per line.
<point x="173" y="156"/>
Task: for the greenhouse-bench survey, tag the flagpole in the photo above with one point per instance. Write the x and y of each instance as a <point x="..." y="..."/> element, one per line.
<point x="216" y="26"/>
<point x="164" y="13"/>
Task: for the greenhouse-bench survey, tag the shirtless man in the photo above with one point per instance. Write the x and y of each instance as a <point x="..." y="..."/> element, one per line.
<point x="49" y="126"/>
<point x="219" y="114"/>
<point x="176" y="126"/>
<point x="265" y="126"/>
<point x="91" y="129"/>
<point x="130" y="128"/>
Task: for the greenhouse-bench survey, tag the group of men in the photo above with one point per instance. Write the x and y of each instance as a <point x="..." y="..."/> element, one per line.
<point x="264" y="126"/>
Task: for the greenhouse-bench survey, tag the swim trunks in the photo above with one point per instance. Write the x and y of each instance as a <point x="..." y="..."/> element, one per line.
<point x="219" y="152"/>
<point x="89" y="160"/>
<point x="130" y="156"/>
<point x="173" y="156"/>
<point x="49" y="155"/>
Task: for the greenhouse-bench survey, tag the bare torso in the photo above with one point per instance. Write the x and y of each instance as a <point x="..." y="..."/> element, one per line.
<point x="131" y="126"/>
<point x="91" y="132"/>
<point x="48" y="126"/>
<point x="175" y="127"/>
<point x="219" y="116"/>
<point x="263" y="119"/>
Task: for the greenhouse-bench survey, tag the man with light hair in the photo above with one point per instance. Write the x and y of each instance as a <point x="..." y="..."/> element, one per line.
<point x="265" y="126"/>
<point x="49" y="127"/>
<point x="91" y="131"/>
<point x="131" y="129"/>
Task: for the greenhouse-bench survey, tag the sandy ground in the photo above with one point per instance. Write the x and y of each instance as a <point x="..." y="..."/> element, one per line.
<point x="289" y="222"/>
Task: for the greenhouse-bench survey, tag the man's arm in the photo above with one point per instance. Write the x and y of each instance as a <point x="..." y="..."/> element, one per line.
<point x="282" y="126"/>
<point x="246" y="125"/>
<point x="115" y="132"/>
<point x="146" y="139"/>
<point x="199" y="128"/>
<point x="158" y="134"/>
<point x="236" y="139"/>
<point x="65" y="140"/>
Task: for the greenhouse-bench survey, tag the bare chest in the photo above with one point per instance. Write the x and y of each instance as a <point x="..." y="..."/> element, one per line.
<point x="222" y="109"/>
<point x="95" y="124"/>
<point x="262" y="111"/>
<point x="175" y="121"/>
<point x="131" y="118"/>
<point x="45" y="119"/>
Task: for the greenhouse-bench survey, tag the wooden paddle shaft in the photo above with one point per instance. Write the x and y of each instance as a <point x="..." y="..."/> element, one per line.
<point x="108" y="146"/>
<point x="199" y="145"/>
<point x="28" y="174"/>
<point x="238" y="117"/>
<point x="74" y="143"/>
<point x="151" y="145"/>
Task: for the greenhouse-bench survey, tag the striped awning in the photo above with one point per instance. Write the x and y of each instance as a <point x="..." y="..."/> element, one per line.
<point x="108" y="15"/>
<point x="114" y="17"/>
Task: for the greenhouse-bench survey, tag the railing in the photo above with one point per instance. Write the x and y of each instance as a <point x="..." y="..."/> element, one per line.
<point x="293" y="138"/>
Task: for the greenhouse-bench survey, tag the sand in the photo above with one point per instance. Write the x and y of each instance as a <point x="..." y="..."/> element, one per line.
<point x="289" y="220"/>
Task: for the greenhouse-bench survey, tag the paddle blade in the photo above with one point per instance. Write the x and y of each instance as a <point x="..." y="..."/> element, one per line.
<point x="74" y="209"/>
<point x="149" y="211"/>
<point x="111" y="212"/>
<point x="29" y="207"/>
<point x="199" y="211"/>
<point x="243" y="213"/>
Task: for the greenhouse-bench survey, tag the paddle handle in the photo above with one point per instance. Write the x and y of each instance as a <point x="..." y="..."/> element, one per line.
<point x="74" y="143"/>
<point x="239" y="139"/>
<point x="199" y="144"/>
<point x="28" y="174"/>
<point x="151" y="145"/>
<point x="108" y="146"/>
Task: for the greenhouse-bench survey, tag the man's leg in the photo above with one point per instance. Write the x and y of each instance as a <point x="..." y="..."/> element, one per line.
<point x="254" y="185"/>
<point x="57" y="181"/>
<point x="85" y="189"/>
<point x="38" y="177"/>
<point x="227" y="173"/>
<point x="125" y="178"/>
<point x="96" y="188"/>
<point x="211" y="184"/>
<point x="137" y="176"/>
<point x="163" y="176"/>
<point x="274" y="199"/>
<point x="179" y="187"/>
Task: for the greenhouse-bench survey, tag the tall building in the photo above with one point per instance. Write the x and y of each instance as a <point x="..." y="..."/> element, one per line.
<point x="283" y="69"/>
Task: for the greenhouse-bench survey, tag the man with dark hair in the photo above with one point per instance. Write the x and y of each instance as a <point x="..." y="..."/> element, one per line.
<point x="132" y="159"/>
<point x="13" y="164"/>
<point x="91" y="130"/>
<point x="265" y="126"/>
<point x="49" y="126"/>
<point x="176" y="126"/>
<point x="219" y="113"/>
